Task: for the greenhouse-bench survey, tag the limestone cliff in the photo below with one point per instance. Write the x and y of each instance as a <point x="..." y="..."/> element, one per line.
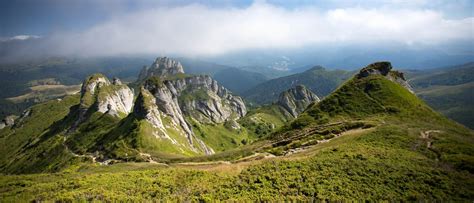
<point x="182" y="97"/>
<point x="98" y="94"/>
<point x="295" y="100"/>
<point x="162" y="67"/>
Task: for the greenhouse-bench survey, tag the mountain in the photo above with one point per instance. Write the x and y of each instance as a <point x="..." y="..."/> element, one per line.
<point x="265" y="119"/>
<point x="170" y="116"/>
<point x="449" y="90"/>
<point x="318" y="79"/>
<point x="295" y="100"/>
<point x="235" y="79"/>
<point x="238" y="80"/>
<point x="372" y="139"/>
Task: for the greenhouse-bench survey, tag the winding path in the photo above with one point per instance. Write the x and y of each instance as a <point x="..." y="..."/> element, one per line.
<point x="92" y="157"/>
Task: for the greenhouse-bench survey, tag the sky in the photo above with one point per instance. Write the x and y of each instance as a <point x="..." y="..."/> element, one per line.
<point x="215" y="28"/>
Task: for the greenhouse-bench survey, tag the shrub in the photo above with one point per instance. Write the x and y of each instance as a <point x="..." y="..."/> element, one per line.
<point x="302" y="121"/>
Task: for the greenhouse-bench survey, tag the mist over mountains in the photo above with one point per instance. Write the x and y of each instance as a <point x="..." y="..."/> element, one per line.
<point x="271" y="34"/>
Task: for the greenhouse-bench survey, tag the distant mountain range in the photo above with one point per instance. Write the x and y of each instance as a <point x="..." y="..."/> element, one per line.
<point x="449" y="90"/>
<point x="318" y="79"/>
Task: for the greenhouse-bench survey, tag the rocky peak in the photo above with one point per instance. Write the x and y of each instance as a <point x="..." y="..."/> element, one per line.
<point x="162" y="67"/>
<point x="377" y="68"/>
<point x="183" y="98"/>
<point x="296" y="99"/>
<point x="113" y="98"/>
<point x="159" y="99"/>
<point x="94" y="82"/>
<point x="384" y="68"/>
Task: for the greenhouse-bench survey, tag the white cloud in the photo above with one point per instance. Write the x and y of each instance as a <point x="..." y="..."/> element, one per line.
<point x="19" y="38"/>
<point x="199" y="30"/>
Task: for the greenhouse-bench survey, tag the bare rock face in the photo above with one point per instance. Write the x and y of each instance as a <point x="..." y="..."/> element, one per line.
<point x="99" y="93"/>
<point x="378" y="68"/>
<point x="155" y="103"/>
<point x="182" y="97"/>
<point x="167" y="103"/>
<point x="199" y="97"/>
<point x="147" y="109"/>
<point x="8" y="121"/>
<point x="119" y="99"/>
<point x="203" y="99"/>
<point x="162" y="67"/>
<point x="296" y="99"/>
<point x="385" y="69"/>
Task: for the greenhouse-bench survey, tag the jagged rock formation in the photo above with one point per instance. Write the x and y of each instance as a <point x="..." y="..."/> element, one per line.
<point x="181" y="97"/>
<point x="295" y="100"/>
<point x="99" y="94"/>
<point x="146" y="108"/>
<point x="385" y="68"/>
<point x="162" y="67"/>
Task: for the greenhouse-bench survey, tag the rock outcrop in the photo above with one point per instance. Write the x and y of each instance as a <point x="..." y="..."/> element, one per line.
<point x="296" y="99"/>
<point x="200" y="97"/>
<point x="99" y="94"/>
<point x="181" y="97"/>
<point x="8" y="121"/>
<point x="162" y="67"/>
<point x="385" y="69"/>
<point x="168" y="106"/>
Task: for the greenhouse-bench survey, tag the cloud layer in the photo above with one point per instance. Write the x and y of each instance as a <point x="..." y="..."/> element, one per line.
<point x="200" y="30"/>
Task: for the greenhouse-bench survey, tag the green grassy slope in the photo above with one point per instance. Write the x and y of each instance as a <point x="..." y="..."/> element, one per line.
<point x="32" y="145"/>
<point x="264" y="120"/>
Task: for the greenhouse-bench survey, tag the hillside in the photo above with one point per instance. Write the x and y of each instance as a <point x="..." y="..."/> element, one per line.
<point x="371" y="139"/>
<point x="448" y="90"/>
<point x="318" y="79"/>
